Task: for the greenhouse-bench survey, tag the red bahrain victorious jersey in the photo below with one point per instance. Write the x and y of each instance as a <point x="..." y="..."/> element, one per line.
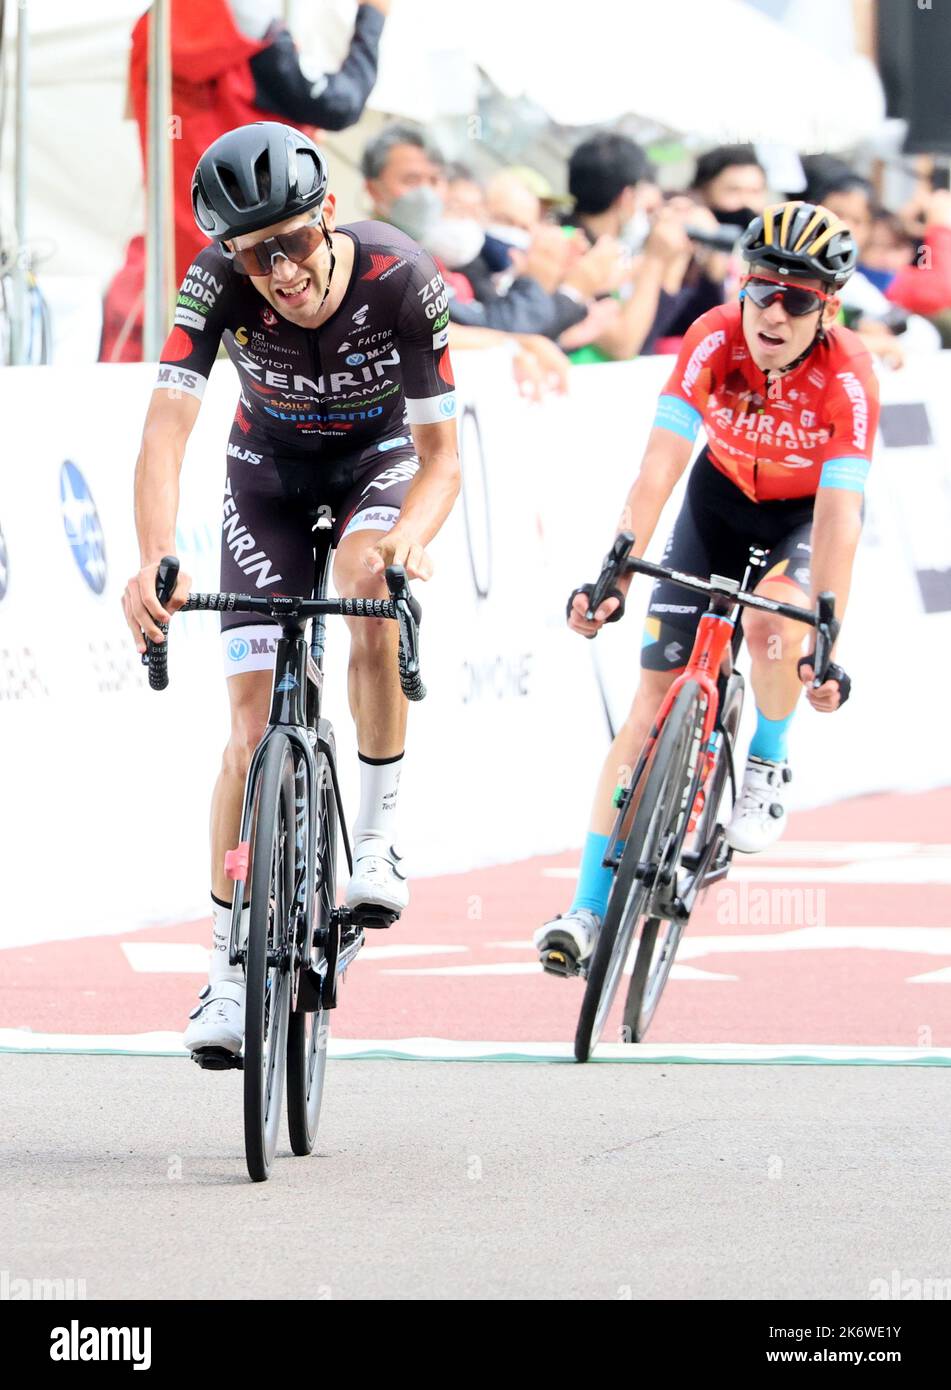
<point x="377" y="365"/>
<point x="812" y="427"/>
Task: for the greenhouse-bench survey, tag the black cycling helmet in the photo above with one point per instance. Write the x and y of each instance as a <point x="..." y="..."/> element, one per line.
<point x="254" y="176"/>
<point x="803" y="239"/>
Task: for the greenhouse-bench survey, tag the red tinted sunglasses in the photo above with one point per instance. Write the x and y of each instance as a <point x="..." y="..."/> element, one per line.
<point x="295" y="246"/>
<point x="797" y="300"/>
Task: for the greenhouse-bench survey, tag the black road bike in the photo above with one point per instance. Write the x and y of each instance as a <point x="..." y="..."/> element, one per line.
<point x="668" y="841"/>
<point x="299" y="942"/>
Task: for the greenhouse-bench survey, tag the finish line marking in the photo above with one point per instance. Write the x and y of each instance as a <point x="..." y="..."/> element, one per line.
<point x="16" y="1040"/>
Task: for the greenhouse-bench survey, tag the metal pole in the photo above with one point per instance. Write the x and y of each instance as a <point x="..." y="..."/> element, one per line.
<point x="159" y="220"/>
<point x="20" y="335"/>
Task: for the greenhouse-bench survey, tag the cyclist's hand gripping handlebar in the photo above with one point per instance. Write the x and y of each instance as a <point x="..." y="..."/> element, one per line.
<point x="408" y="614"/>
<point x="155" y="656"/>
<point x="613" y="569"/>
<point x="823" y="667"/>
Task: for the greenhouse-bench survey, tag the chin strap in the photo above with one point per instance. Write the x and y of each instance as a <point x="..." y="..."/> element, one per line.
<point x="330" y="247"/>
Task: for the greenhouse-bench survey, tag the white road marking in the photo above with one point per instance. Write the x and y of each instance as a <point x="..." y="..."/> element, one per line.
<point x="405" y="949"/>
<point x="927" y="941"/>
<point x="933" y="977"/>
<point x="522" y="967"/>
<point x="446" y="1049"/>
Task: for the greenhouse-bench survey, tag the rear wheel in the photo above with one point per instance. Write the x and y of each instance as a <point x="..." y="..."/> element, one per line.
<point x="644" y="863"/>
<point x="269" y="956"/>
<point x="309" y="1032"/>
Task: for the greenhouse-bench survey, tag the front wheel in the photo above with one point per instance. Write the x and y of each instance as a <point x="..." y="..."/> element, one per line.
<point x="645" y="858"/>
<point x="269" y="956"/>
<point x="309" y="1032"/>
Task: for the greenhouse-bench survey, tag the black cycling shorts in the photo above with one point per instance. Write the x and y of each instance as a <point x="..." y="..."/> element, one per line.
<point x="713" y="534"/>
<point x="273" y="501"/>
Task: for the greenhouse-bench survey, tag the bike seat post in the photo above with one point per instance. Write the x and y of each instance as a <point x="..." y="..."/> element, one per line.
<point x="323" y="558"/>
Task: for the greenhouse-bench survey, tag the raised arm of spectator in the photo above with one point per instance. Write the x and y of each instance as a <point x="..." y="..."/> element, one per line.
<point x="926" y="288"/>
<point x="667" y="242"/>
<point x="331" y="101"/>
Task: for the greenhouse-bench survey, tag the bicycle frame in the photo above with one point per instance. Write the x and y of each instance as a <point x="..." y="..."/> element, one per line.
<point x="296" y="696"/>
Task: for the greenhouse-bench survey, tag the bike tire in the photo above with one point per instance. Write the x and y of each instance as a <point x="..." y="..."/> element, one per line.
<point x="653" y="962"/>
<point x="268" y="981"/>
<point x="309" y="1033"/>
<point x="661" y="801"/>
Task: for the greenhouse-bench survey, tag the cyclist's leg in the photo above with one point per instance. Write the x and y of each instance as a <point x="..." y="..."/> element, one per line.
<point x="379" y="709"/>
<point x="700" y="542"/>
<point x="775" y="645"/>
<point x="266" y="547"/>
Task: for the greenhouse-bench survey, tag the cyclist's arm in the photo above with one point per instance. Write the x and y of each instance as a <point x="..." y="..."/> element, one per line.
<point x="837" y="518"/>
<point x="665" y="459"/>
<point x="170" y="419"/>
<point x="422" y="334"/>
<point x="184" y="366"/>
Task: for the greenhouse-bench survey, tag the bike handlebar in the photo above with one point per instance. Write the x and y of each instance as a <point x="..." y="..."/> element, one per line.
<point x="400" y="606"/>
<point x="618" y="563"/>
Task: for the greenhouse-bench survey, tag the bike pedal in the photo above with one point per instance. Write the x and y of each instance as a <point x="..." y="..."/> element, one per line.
<point x="373" y="918"/>
<point x="218" y="1059"/>
<point x="559" y="962"/>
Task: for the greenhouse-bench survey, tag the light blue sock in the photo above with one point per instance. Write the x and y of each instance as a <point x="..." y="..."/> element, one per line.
<point x="771" y="738"/>
<point x="594" y="882"/>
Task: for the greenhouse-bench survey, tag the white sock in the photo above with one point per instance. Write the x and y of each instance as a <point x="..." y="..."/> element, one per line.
<point x="218" y="967"/>
<point x="379" y="793"/>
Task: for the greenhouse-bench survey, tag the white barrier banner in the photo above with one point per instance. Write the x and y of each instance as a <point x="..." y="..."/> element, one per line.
<point x="106" y="785"/>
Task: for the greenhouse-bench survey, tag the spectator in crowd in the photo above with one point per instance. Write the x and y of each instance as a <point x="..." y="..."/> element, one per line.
<point x="731" y="182"/>
<point x="609" y="180"/>
<point x="233" y="61"/>
<point x="407" y="185"/>
<point x="884" y="319"/>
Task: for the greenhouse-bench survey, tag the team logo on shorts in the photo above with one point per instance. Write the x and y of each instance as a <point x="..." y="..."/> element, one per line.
<point x="238" y="649"/>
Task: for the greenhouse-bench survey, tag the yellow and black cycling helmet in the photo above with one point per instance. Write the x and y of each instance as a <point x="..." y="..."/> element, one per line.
<point x="801" y="239"/>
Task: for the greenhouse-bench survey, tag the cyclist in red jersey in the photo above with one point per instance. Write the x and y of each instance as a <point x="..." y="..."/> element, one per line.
<point x="789" y="403"/>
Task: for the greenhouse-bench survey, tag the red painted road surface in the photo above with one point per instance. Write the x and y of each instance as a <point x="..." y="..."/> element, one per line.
<point x="843" y="974"/>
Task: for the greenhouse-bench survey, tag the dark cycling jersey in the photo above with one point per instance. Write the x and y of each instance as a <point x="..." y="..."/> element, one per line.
<point x="809" y="428"/>
<point x="378" y="364"/>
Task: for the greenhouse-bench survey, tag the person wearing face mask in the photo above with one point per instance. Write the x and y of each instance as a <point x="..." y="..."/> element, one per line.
<point x="728" y="190"/>
<point x="407" y="186"/>
<point x="609" y="180"/>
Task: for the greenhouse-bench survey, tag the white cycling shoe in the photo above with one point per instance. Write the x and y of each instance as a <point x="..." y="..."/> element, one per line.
<point x="378" y="883"/>
<point x="218" y="1022"/>
<point x="566" y="942"/>
<point x="759" y="816"/>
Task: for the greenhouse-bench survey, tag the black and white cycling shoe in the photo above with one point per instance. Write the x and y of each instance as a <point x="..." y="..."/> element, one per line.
<point x="565" y="944"/>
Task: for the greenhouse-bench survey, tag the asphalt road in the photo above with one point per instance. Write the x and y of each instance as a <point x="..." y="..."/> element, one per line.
<point x="452" y="1181"/>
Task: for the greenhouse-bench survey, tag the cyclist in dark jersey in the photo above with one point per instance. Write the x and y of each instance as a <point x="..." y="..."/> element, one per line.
<point x="789" y="403"/>
<point x="346" y="411"/>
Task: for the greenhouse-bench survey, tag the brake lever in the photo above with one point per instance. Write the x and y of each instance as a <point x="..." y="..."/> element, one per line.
<point x="613" y="568"/>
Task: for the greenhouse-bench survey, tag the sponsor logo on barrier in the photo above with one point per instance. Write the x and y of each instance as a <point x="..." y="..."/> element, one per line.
<point x="20" y="677"/>
<point x="83" y="530"/>
<point x="4" y="566"/>
<point x="475" y="501"/>
<point x="498" y="678"/>
<point x="116" y="665"/>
